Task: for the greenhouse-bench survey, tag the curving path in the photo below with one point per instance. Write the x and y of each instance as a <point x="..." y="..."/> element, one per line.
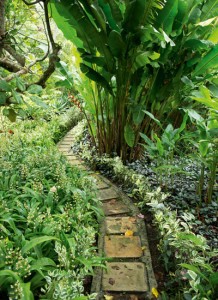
<point x="122" y="239"/>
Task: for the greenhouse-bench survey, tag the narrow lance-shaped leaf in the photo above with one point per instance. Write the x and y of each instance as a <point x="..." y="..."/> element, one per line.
<point x="36" y="241"/>
<point x="209" y="61"/>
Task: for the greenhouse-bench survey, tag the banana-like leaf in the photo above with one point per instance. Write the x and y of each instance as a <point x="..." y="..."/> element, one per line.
<point x="116" y="44"/>
<point x="210" y="9"/>
<point x="95" y="76"/>
<point x="209" y="61"/>
<point x="129" y="135"/>
<point x="167" y="16"/>
<point x="62" y="16"/>
<point x="116" y="11"/>
<point x="108" y="10"/>
<point x="181" y="18"/>
<point x="133" y="15"/>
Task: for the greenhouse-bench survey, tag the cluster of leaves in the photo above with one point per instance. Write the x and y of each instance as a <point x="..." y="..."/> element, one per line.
<point x="48" y="217"/>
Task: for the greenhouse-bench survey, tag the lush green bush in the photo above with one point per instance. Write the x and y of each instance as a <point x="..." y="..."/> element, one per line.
<point x="48" y="216"/>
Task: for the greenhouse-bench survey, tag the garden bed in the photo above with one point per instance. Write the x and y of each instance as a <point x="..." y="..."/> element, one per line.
<point x="187" y="227"/>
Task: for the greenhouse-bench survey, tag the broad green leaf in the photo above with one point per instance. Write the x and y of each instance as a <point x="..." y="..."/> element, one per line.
<point x="209" y="61"/>
<point x="134" y="14"/>
<point x="107" y="9"/>
<point x="209" y="9"/>
<point x="95" y="76"/>
<point x="18" y="98"/>
<point x="20" y="84"/>
<point x="34" y="89"/>
<point x="167" y="15"/>
<point x="116" y="11"/>
<point x="5" y="86"/>
<point x="36" y="241"/>
<point x="196" y="44"/>
<point x="116" y="44"/>
<point x="138" y="115"/>
<point x="63" y="18"/>
<point x="181" y="18"/>
<point x="129" y="135"/>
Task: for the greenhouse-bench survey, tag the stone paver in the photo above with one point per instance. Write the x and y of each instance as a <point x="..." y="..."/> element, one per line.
<point x="130" y="262"/>
<point x="125" y="276"/>
<point x="114" y="207"/>
<point x="107" y="194"/>
<point x="122" y="246"/>
<point x="120" y="224"/>
<point x="75" y="162"/>
<point x="100" y="183"/>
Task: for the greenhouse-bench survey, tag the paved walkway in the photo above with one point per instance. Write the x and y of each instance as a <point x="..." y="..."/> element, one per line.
<point x="122" y="239"/>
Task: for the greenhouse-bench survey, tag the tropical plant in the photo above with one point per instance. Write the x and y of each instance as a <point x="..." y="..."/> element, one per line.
<point x="139" y="55"/>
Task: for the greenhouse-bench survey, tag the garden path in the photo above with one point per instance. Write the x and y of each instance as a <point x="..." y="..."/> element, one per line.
<point x="122" y="239"/>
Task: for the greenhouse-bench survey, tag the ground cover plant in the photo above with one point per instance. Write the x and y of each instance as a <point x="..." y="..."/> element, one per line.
<point x="48" y="217"/>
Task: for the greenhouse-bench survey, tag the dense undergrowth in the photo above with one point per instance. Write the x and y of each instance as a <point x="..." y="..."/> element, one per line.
<point x="48" y="215"/>
<point x="188" y="254"/>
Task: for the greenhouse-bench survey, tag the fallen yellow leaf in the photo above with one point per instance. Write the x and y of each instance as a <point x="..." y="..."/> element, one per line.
<point x="155" y="292"/>
<point x="143" y="248"/>
<point x="107" y="297"/>
<point x="129" y="233"/>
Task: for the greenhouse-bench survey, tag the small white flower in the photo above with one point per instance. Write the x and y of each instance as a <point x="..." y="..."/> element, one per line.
<point x="53" y="189"/>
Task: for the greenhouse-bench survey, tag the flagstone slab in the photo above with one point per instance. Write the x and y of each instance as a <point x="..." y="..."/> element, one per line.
<point x="101" y="184"/>
<point x="75" y="162"/>
<point x="122" y="246"/>
<point x="115" y="225"/>
<point x="107" y="194"/>
<point x="114" y="207"/>
<point x="125" y="277"/>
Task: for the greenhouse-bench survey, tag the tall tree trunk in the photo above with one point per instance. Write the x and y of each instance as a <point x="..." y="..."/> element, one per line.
<point x="2" y="23"/>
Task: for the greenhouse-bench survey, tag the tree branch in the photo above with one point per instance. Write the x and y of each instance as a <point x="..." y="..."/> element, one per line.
<point x="2" y="23"/>
<point x="53" y="58"/>
<point x="19" y="58"/>
<point x="32" y="3"/>
<point x="9" y="65"/>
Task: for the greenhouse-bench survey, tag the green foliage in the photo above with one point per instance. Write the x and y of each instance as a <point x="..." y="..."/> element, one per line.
<point x="138" y="55"/>
<point x="48" y="215"/>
